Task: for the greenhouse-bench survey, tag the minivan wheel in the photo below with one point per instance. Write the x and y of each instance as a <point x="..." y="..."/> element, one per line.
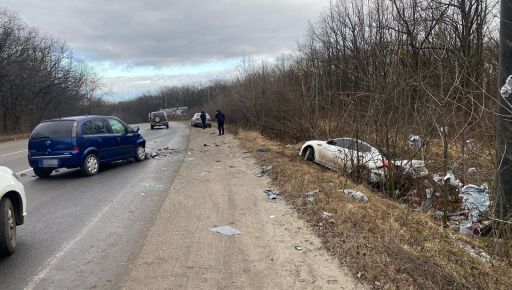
<point x="7" y="228"/>
<point x="91" y="165"/>
<point x="42" y="172"/>
<point x="141" y="153"/>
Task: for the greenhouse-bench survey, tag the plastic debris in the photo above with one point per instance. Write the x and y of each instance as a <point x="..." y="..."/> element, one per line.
<point x="189" y="156"/>
<point x="226" y="230"/>
<point x="479" y="254"/>
<point x="472" y="170"/>
<point x="357" y="195"/>
<point x="444" y="130"/>
<point x="415" y="142"/>
<point x="313" y="192"/>
<point x="452" y="180"/>
<point x="476" y="200"/>
<point x="262" y="150"/>
<point x="298" y="248"/>
<point x="414" y="168"/>
<point x="471" y="144"/>
<point x="310" y="200"/>
<point x="272" y="195"/>
<point x="506" y="90"/>
<point x="264" y="170"/>
<point x="326" y="215"/>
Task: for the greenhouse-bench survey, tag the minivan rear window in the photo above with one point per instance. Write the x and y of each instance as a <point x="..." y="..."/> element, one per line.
<point x="53" y="129"/>
<point x="159" y="114"/>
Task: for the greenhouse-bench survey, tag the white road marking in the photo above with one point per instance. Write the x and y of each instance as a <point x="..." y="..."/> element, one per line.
<point x="18" y="173"/>
<point x="13" y="153"/>
<point x="50" y="263"/>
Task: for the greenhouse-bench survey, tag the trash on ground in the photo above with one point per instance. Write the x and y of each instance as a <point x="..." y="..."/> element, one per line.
<point x="326" y="215"/>
<point x="262" y="150"/>
<point x="313" y="192"/>
<point x="298" y="248"/>
<point x="471" y="144"/>
<point x="479" y="254"/>
<point x="272" y="195"/>
<point x="225" y="230"/>
<point x="271" y="216"/>
<point x="264" y="170"/>
<point x="472" y="170"/>
<point x="189" y="157"/>
<point x="476" y="200"/>
<point x="357" y="195"/>
<point x="506" y="89"/>
<point x="444" y="130"/>
<point x="454" y="181"/>
<point x="415" y="142"/>
<point x="414" y="168"/>
<point x="310" y="200"/>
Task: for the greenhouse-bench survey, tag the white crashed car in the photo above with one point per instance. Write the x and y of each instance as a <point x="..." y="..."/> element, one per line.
<point x="346" y="154"/>
<point x="12" y="209"/>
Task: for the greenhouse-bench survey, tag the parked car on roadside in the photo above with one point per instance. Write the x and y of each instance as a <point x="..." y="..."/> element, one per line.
<point x="347" y="154"/>
<point x="196" y="120"/>
<point x="83" y="142"/>
<point x="158" y="119"/>
<point x="12" y="209"/>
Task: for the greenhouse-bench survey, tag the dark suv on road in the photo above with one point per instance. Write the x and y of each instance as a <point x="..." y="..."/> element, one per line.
<point x="82" y="142"/>
<point x="158" y="119"/>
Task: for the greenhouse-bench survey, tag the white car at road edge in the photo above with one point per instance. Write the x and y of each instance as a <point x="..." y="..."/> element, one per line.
<point x="12" y="209"/>
<point x="346" y="154"/>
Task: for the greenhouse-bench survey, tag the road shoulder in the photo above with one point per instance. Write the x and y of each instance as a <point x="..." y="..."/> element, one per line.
<point x="217" y="186"/>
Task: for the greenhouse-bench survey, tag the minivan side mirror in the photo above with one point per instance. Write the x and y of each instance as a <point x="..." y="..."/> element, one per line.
<point x="137" y="129"/>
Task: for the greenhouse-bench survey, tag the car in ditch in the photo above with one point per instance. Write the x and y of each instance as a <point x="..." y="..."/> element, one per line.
<point x="158" y="119"/>
<point x="84" y="142"/>
<point x="347" y="154"/>
<point x="12" y="209"/>
<point x="196" y="120"/>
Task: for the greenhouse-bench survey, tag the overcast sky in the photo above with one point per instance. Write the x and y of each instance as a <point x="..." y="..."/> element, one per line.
<point x="139" y="45"/>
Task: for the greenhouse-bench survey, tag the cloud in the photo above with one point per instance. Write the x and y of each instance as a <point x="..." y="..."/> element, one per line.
<point x="166" y="33"/>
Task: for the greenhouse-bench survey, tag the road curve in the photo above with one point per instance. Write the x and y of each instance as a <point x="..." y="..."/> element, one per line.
<point x="84" y="232"/>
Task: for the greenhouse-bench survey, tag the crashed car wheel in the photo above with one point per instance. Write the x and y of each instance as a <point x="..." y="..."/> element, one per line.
<point x="42" y="172"/>
<point x="7" y="228"/>
<point x="310" y="154"/>
<point x="91" y="165"/>
<point x="141" y="153"/>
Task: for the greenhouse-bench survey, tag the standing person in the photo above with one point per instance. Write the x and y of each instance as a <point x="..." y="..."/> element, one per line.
<point x="220" y="121"/>
<point x="203" y="119"/>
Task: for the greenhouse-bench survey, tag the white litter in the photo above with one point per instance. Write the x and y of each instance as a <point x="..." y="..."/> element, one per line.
<point x="415" y="142"/>
<point x="264" y="170"/>
<point x="357" y="195"/>
<point x="326" y="215"/>
<point x="476" y="200"/>
<point x="506" y="90"/>
<point x="226" y="230"/>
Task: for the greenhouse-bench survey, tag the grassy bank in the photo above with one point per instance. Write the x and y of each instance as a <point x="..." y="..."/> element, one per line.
<point x="381" y="241"/>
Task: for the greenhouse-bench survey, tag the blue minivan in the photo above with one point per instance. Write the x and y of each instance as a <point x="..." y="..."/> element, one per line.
<point x="82" y="142"/>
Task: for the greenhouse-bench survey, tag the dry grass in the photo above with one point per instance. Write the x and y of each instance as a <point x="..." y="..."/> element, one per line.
<point x="381" y="241"/>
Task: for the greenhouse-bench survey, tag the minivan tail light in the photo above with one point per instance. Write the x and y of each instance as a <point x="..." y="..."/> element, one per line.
<point x="73" y="131"/>
<point x="75" y="149"/>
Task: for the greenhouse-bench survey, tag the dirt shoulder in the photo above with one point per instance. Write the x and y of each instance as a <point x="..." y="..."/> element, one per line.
<point x="217" y="186"/>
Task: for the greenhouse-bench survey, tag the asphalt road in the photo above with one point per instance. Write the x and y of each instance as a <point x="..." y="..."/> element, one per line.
<point x="85" y="232"/>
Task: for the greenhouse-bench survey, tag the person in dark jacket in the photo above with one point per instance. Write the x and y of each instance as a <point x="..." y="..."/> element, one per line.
<point x="203" y="119"/>
<point x="220" y="121"/>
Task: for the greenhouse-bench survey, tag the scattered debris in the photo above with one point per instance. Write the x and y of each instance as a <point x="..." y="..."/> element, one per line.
<point x="226" y="230"/>
<point x="506" y="89"/>
<point x="444" y="130"/>
<point x="450" y="177"/>
<point x="272" y="195"/>
<point x="476" y="200"/>
<point x="415" y="142"/>
<point x="23" y="174"/>
<point x="264" y="170"/>
<point x="473" y="170"/>
<point x="357" y="195"/>
<point x="271" y="216"/>
<point x="471" y="144"/>
<point x="313" y="192"/>
<point x="310" y="201"/>
<point x="414" y="168"/>
<point x="326" y="215"/>
<point x="479" y="254"/>
<point x="262" y="150"/>
<point x="298" y="248"/>
<point x="189" y="156"/>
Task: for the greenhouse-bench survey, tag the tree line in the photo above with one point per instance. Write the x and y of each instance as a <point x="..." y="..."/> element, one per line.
<point x="39" y="77"/>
